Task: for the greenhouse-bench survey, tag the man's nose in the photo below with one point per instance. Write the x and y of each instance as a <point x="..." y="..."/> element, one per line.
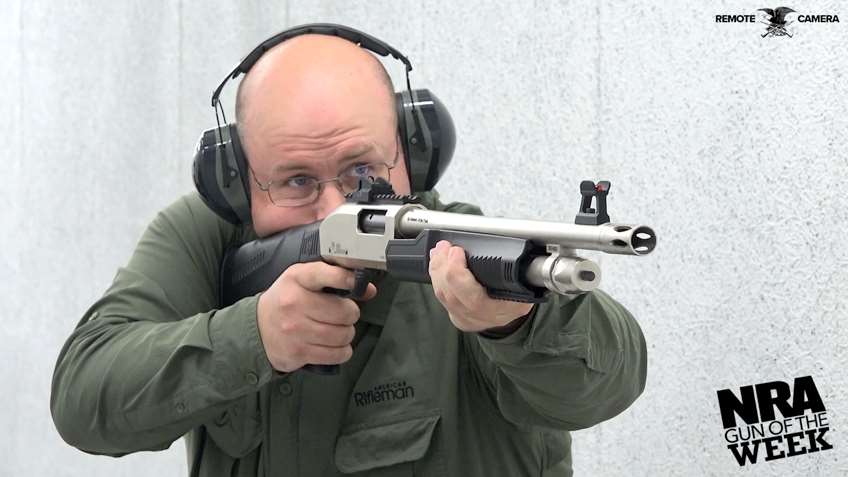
<point x="331" y="197"/>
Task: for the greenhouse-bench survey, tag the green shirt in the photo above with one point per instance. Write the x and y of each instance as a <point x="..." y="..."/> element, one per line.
<point x="154" y="359"/>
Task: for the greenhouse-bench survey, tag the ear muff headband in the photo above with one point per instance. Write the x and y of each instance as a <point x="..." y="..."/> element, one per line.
<point x="360" y="38"/>
<point x="426" y="130"/>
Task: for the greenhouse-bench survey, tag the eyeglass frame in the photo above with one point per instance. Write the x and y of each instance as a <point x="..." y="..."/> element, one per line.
<point x="319" y="184"/>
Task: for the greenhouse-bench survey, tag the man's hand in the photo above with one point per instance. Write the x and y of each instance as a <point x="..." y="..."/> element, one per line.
<point x="469" y="306"/>
<point x="299" y="324"/>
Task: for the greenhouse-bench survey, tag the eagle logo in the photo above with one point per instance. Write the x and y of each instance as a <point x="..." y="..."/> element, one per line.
<point x="776" y="24"/>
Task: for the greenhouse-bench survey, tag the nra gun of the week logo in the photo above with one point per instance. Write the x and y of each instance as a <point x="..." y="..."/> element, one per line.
<point x="800" y="429"/>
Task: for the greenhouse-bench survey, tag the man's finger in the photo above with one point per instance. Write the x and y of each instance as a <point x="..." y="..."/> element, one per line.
<point x="437" y="254"/>
<point x="370" y="293"/>
<point x="316" y="354"/>
<point x="458" y="276"/>
<point x="333" y="310"/>
<point x="315" y="276"/>
<point x="322" y="334"/>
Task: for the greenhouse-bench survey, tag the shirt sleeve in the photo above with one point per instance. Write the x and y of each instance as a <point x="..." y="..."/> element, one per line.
<point x="154" y="358"/>
<point x="574" y="362"/>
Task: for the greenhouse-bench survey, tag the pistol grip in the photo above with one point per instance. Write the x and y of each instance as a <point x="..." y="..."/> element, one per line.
<point x="360" y="286"/>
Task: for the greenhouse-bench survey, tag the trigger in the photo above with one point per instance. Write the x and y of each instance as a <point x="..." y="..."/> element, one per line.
<point x="360" y="284"/>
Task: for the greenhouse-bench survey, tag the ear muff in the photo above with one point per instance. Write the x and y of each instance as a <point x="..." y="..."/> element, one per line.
<point x="221" y="174"/>
<point x="428" y="137"/>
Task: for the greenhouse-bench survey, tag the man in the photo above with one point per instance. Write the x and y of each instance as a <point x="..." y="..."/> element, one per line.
<point x="442" y="380"/>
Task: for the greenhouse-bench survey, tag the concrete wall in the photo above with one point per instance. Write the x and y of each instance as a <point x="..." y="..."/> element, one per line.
<point x="730" y="145"/>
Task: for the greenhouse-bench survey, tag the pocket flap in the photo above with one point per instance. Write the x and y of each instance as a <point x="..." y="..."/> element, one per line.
<point x="383" y="445"/>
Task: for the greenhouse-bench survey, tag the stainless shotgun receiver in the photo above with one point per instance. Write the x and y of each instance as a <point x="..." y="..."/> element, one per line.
<point x="377" y="231"/>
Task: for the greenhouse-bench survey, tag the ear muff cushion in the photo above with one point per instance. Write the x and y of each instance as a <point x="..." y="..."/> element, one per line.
<point x="443" y="137"/>
<point x="240" y="158"/>
<point x="205" y="171"/>
<point x="237" y="188"/>
<point x="402" y="131"/>
<point x="219" y="177"/>
<point x="429" y="137"/>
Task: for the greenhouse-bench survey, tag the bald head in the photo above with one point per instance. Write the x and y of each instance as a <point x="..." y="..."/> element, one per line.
<point x="295" y="55"/>
<point x="315" y="106"/>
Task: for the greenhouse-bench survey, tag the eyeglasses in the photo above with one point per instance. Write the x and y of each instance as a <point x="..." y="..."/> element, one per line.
<point x="303" y="190"/>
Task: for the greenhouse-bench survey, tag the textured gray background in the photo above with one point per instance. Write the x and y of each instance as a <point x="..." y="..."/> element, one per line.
<point x="731" y="146"/>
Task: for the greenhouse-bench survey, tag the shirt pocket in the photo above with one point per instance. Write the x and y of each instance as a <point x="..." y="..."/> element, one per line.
<point x="238" y="429"/>
<point x="401" y="447"/>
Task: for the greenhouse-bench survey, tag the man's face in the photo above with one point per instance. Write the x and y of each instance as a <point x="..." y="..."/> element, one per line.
<point x="313" y="110"/>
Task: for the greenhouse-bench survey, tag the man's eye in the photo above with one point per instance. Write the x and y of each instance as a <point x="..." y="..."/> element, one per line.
<point x="298" y="181"/>
<point x="361" y="170"/>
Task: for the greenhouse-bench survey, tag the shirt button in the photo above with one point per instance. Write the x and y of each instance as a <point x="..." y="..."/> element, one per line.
<point x="251" y="378"/>
<point x="181" y="407"/>
<point x="285" y="389"/>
